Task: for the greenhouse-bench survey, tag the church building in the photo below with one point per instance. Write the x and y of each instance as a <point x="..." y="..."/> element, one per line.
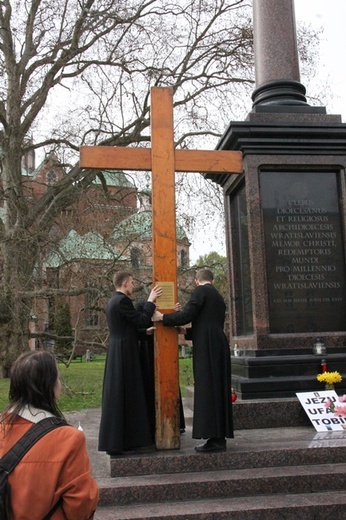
<point x="108" y="227"/>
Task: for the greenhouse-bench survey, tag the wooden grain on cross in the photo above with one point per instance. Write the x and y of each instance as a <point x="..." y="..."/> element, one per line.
<point x="163" y="160"/>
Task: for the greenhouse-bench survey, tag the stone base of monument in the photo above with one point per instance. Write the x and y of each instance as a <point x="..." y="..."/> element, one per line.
<point x="264" y="474"/>
<point x="272" y="375"/>
<point x="259" y="413"/>
<point x="273" y="413"/>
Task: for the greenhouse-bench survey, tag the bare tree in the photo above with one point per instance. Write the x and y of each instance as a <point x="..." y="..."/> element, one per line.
<point x="79" y="72"/>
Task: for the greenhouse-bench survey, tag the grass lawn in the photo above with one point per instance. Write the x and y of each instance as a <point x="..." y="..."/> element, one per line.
<point x="185" y="374"/>
<point x="82" y="384"/>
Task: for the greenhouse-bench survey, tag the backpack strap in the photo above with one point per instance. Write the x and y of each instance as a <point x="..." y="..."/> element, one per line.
<point x="10" y="460"/>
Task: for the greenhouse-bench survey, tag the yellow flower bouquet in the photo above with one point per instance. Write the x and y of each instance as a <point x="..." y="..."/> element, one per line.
<point x="329" y="378"/>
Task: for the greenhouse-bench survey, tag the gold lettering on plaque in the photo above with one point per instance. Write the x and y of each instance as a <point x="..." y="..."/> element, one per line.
<point x="167" y="299"/>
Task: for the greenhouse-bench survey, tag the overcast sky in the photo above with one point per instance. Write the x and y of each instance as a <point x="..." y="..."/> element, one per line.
<point x="331" y="16"/>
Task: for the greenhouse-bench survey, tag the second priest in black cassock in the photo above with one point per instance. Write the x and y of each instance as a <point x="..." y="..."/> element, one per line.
<point x="212" y="418"/>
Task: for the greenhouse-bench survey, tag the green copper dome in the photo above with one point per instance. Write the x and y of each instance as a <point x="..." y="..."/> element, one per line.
<point x="114" y="178"/>
<point x="139" y="226"/>
<point x="90" y="246"/>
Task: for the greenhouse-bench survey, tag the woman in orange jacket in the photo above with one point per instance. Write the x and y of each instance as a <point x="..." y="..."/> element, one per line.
<point x="57" y="467"/>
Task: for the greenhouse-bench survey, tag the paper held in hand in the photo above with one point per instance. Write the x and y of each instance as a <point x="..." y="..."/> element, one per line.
<point x="323" y="419"/>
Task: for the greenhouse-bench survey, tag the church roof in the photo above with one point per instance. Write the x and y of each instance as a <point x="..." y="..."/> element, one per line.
<point x="139" y="226"/>
<point x="114" y="178"/>
<point x="90" y="246"/>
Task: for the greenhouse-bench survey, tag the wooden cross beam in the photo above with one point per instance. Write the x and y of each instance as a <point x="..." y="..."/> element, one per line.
<point x="163" y="160"/>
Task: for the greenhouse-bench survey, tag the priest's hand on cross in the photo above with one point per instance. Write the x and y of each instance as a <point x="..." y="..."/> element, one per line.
<point x="157" y="316"/>
<point x="156" y="292"/>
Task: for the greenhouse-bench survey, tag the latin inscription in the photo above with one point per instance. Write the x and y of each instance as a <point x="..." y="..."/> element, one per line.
<point x="304" y="251"/>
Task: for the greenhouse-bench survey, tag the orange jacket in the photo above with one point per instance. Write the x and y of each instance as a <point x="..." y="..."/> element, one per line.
<point x="56" y="466"/>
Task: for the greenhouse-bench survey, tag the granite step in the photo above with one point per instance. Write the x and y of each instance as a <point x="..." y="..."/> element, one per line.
<point x="310" y="506"/>
<point x="308" y="466"/>
<point x="253" y="455"/>
<point x="221" y="484"/>
<point x="267" y="474"/>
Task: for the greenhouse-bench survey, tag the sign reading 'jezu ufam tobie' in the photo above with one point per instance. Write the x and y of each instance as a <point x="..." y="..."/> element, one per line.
<point x="323" y="419"/>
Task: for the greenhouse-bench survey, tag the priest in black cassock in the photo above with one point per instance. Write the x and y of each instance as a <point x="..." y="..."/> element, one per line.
<point x="125" y="419"/>
<point x="212" y="419"/>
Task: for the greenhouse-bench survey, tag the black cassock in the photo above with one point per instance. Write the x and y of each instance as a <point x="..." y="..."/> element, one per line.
<point x="212" y="415"/>
<point x="125" y="422"/>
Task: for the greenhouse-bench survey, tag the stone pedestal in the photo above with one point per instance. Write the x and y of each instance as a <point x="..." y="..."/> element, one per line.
<point x="285" y="223"/>
<point x="286" y="247"/>
<point x="281" y="374"/>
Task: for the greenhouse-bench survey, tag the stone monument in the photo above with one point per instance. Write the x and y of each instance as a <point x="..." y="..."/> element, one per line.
<point x="286" y="221"/>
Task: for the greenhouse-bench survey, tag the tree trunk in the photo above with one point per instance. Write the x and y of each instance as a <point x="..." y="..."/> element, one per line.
<point x="15" y="308"/>
<point x="19" y="253"/>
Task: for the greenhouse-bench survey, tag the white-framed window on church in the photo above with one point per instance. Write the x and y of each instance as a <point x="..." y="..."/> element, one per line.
<point x="51" y="178"/>
<point x="183" y="259"/>
<point x="136" y="257"/>
<point x="51" y="312"/>
<point x="91" y="309"/>
<point x="52" y="278"/>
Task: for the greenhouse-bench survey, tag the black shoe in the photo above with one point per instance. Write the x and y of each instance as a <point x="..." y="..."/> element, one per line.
<point x="212" y="445"/>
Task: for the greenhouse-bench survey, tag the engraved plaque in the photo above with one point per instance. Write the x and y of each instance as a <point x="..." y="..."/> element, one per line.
<point x="304" y="249"/>
<point x="167" y="299"/>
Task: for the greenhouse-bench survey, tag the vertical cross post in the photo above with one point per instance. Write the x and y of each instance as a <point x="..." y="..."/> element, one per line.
<point x="164" y="265"/>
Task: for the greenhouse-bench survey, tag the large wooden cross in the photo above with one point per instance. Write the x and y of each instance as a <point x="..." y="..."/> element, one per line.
<point x="163" y="160"/>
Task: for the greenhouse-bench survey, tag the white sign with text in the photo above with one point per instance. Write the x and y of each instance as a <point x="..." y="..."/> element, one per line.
<point x="321" y="417"/>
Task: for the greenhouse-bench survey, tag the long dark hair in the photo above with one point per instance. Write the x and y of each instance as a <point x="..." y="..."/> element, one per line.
<point x="33" y="378"/>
